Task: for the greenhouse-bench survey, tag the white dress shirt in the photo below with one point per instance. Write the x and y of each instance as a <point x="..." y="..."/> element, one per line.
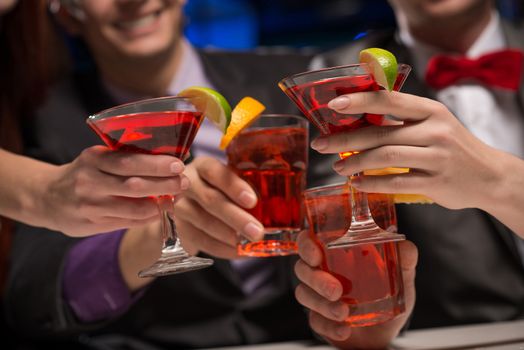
<point x="492" y="115"/>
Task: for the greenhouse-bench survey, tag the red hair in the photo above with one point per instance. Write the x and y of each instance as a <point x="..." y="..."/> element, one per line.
<point x="24" y="35"/>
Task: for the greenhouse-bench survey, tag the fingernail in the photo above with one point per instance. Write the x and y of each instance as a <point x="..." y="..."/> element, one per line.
<point x="329" y="290"/>
<point x="342" y="331"/>
<point x="177" y="167"/>
<point x="184" y="183"/>
<point x="340" y="102"/>
<point x="253" y="232"/>
<point x="337" y="311"/>
<point x="319" y="144"/>
<point x="338" y="166"/>
<point x="247" y="199"/>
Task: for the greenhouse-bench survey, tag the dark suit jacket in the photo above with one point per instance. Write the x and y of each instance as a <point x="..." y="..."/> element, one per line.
<point x="198" y="309"/>
<point x="469" y="267"/>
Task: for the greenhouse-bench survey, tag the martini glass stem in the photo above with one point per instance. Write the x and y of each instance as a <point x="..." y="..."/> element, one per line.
<point x="361" y="218"/>
<point x="171" y="243"/>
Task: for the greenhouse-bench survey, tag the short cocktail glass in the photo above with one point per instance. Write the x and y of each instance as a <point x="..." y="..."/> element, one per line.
<point x="271" y="155"/>
<point x="165" y="125"/>
<point x="370" y="273"/>
<point x="311" y="92"/>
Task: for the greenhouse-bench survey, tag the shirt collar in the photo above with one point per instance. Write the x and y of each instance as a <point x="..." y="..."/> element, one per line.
<point x="491" y="39"/>
<point x="190" y="73"/>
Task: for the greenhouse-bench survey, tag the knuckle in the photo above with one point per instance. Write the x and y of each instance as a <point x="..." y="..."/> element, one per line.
<point x="398" y="183"/>
<point x="383" y="133"/>
<point x="134" y="184"/>
<point x="390" y="155"/>
<point x="209" y="197"/>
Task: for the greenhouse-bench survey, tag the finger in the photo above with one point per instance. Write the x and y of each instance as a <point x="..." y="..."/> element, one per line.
<point x="212" y="200"/>
<point x="120" y="207"/>
<point x="388" y="156"/>
<point x="223" y="178"/>
<point x="333" y="310"/>
<point x="193" y="213"/>
<point x="412" y="182"/>
<point x="137" y="187"/>
<point x="308" y="250"/>
<point x="402" y="106"/>
<point x="322" y="283"/>
<point x="408" y="255"/>
<point x="371" y="137"/>
<point x="328" y="328"/>
<point x="195" y="240"/>
<point x="133" y="164"/>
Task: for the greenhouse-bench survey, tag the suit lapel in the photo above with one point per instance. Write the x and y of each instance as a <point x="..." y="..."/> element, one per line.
<point x="514" y="36"/>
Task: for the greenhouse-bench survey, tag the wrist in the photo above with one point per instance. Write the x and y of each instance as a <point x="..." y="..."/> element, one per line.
<point x="140" y="248"/>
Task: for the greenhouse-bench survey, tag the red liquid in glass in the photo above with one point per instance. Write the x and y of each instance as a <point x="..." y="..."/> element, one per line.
<point x="371" y="280"/>
<point x="370" y="273"/>
<point x="273" y="161"/>
<point x="312" y="99"/>
<point x="169" y="132"/>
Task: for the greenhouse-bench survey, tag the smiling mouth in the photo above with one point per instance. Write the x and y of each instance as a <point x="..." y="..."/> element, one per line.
<point x="141" y="22"/>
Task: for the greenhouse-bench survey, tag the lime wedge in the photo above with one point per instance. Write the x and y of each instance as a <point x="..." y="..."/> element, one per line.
<point x="244" y="113"/>
<point x="212" y="104"/>
<point x="383" y="66"/>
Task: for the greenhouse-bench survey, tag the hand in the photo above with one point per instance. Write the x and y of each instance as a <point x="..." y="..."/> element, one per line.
<point x="320" y="292"/>
<point x="444" y="157"/>
<point x="211" y="214"/>
<point x="104" y="190"/>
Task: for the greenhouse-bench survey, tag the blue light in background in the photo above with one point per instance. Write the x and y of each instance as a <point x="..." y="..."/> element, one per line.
<point x="226" y="24"/>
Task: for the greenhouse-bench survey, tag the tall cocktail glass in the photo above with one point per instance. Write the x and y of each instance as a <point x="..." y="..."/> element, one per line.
<point x="311" y="92"/>
<point x="165" y="125"/>
<point x="271" y="155"/>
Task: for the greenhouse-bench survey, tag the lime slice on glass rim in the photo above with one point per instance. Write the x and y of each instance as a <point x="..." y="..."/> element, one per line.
<point x="212" y="104"/>
<point x="383" y="66"/>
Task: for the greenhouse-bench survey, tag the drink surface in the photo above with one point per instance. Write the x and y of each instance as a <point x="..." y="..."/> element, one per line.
<point x="166" y="132"/>
<point x="273" y="161"/>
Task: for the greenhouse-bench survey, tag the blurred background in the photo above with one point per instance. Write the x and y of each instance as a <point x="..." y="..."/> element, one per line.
<point x="307" y="24"/>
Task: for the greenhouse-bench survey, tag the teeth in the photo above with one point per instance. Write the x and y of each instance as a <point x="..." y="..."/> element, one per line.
<point x="142" y="22"/>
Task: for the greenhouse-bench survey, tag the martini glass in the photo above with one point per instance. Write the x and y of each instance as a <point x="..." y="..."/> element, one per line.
<point x="165" y="125"/>
<point x="311" y="92"/>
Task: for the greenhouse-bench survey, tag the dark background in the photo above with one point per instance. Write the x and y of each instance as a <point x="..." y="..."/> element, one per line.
<point x="315" y="24"/>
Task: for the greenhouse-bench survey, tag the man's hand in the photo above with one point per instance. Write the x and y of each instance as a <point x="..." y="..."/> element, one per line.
<point x="320" y="292"/>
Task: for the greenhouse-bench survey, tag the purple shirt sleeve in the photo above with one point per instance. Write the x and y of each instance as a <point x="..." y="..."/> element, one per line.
<point x="92" y="283"/>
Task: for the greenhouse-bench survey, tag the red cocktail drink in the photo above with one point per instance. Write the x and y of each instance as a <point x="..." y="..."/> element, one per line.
<point x="311" y="92"/>
<point x="157" y="126"/>
<point x="369" y="273"/>
<point x="169" y="132"/>
<point x="271" y="155"/>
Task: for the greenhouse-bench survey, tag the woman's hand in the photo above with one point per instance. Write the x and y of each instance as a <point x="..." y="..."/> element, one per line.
<point x="104" y="190"/>
<point x="444" y="157"/>
<point x="320" y="292"/>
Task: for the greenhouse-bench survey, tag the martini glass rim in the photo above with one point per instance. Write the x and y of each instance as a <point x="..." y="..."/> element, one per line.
<point x="285" y="81"/>
<point x="108" y="111"/>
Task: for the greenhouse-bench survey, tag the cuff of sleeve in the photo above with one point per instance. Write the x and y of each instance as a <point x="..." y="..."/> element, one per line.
<point x="93" y="285"/>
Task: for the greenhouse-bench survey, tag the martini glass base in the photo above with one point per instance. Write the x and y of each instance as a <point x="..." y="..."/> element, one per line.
<point x="175" y="262"/>
<point x="352" y="238"/>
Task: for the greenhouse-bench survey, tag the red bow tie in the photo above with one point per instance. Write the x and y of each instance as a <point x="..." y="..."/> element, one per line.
<point x="500" y="69"/>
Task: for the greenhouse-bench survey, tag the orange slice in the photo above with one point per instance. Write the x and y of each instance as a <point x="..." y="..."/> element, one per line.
<point x="244" y="113"/>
